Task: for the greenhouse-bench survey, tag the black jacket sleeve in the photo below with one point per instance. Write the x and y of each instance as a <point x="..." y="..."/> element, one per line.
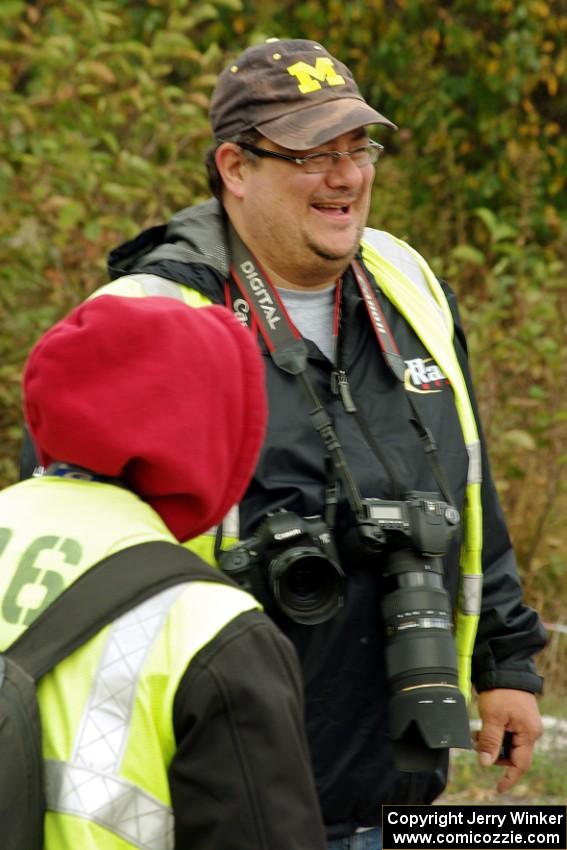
<point x="510" y="633"/>
<point x="241" y="776"/>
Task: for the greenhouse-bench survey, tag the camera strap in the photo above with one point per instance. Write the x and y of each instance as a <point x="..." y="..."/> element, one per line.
<point x="256" y="303"/>
<point x="253" y="299"/>
<point x="396" y="363"/>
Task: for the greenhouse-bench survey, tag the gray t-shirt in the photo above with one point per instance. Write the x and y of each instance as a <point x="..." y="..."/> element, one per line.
<point x="312" y="314"/>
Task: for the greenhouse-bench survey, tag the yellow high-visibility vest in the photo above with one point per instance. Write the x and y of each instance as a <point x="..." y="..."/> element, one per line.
<point x="107" y="709"/>
<point x="435" y="329"/>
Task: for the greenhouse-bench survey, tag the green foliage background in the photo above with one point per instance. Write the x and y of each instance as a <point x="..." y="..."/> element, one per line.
<point x="103" y="127"/>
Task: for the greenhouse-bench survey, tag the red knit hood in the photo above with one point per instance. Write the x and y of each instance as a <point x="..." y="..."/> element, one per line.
<point x="168" y="398"/>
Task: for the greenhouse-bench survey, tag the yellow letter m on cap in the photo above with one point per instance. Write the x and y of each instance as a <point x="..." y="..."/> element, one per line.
<point x="310" y="78"/>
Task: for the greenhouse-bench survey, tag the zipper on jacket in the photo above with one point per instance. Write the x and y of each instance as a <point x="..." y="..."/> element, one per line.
<point x="340" y="386"/>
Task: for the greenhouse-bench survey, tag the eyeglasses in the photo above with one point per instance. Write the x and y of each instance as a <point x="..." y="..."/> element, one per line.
<point x="318" y="163"/>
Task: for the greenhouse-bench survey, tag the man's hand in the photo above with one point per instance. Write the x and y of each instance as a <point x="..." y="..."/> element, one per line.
<point x="506" y="710"/>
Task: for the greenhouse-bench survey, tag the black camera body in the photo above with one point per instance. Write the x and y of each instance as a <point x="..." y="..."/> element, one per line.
<point x="292" y="561"/>
<point x="428" y="713"/>
<point x="420" y="520"/>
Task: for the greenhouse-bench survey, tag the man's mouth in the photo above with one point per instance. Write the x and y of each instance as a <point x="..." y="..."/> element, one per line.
<point x="335" y="209"/>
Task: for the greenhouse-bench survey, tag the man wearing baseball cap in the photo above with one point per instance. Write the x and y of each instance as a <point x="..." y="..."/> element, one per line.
<point x="373" y="433"/>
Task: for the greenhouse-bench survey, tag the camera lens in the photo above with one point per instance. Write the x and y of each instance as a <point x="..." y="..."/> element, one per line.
<point x="307" y="585"/>
<point x="301" y="581"/>
<point x="427" y="711"/>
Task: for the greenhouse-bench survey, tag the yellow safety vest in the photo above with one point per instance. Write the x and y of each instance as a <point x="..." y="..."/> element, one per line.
<point x="435" y="330"/>
<point x="107" y="709"/>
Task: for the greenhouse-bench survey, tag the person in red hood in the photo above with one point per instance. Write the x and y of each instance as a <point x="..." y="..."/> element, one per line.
<point x="187" y="711"/>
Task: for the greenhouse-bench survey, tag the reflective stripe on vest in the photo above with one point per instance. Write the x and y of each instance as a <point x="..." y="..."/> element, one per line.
<point x="435" y="330"/>
<point x="88" y="785"/>
<point x="112" y="802"/>
<point x="141" y="285"/>
<point x="152" y="284"/>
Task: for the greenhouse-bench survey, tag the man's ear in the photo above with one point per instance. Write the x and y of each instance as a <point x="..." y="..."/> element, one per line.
<point x="231" y="162"/>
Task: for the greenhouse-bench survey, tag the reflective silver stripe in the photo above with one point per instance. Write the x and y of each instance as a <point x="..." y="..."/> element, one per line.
<point x="470" y="594"/>
<point x="88" y="785"/>
<point x="407" y="261"/>
<point x="230" y="524"/>
<point x="475" y="463"/>
<point x="111" y="802"/>
<point x="103" y="732"/>
<point x="152" y="284"/>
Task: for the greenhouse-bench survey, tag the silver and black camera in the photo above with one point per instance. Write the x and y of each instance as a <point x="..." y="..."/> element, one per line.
<point x="290" y="561"/>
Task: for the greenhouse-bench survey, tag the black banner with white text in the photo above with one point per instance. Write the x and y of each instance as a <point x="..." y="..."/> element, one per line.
<point x="473" y="827"/>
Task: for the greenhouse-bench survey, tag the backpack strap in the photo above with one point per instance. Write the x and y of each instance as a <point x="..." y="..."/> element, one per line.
<point x="102" y="594"/>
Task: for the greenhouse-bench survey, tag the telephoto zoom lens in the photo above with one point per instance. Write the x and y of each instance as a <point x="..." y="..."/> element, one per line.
<point x="428" y="712"/>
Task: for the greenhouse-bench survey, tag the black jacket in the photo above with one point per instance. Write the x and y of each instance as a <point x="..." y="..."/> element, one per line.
<point x="241" y="746"/>
<point x="343" y="658"/>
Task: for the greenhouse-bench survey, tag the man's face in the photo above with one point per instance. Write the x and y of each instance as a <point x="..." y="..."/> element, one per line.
<point x="306" y="227"/>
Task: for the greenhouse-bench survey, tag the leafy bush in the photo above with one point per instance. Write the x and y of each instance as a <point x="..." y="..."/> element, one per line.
<point x="103" y="117"/>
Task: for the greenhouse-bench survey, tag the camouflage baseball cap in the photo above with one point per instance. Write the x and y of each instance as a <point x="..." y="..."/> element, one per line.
<point x="293" y="92"/>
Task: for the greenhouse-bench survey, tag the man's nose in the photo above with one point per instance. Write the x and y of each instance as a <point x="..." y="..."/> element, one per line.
<point x="344" y="172"/>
